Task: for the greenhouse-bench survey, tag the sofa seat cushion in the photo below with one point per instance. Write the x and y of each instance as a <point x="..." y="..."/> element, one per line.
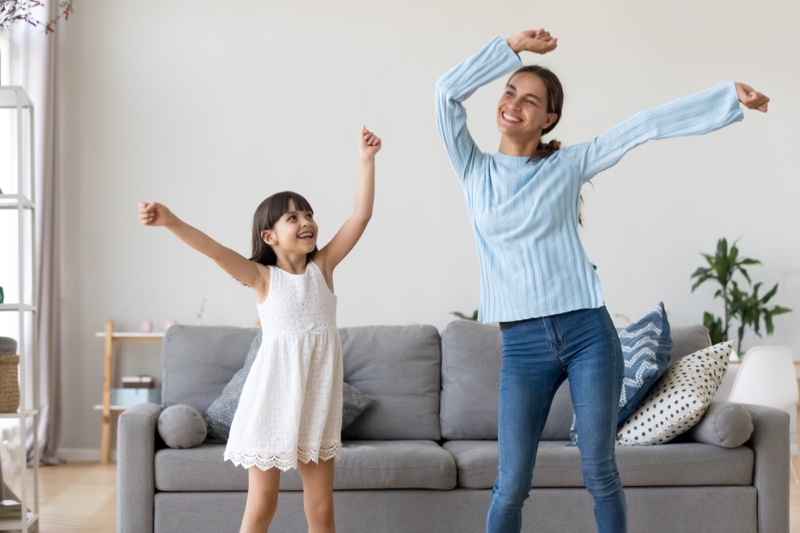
<point x="558" y="465"/>
<point x="411" y="464"/>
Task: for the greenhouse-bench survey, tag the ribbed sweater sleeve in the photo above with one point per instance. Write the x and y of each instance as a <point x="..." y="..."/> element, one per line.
<point x="492" y="61"/>
<point x="696" y="114"/>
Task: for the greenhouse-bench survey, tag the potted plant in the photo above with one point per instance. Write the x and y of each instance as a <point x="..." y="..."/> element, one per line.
<point x="748" y="309"/>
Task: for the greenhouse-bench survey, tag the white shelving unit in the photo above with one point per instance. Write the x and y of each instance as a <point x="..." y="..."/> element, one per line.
<point x="15" y="104"/>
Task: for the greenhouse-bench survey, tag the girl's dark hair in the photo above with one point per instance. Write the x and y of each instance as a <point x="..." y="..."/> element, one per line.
<point x="555" y="103"/>
<point x="265" y="217"/>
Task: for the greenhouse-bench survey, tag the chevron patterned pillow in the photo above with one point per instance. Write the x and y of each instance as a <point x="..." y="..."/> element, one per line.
<point x="645" y="347"/>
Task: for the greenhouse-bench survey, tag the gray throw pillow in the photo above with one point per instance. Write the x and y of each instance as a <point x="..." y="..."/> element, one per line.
<point x="724" y="424"/>
<point x="354" y="402"/>
<point x="219" y="415"/>
<point x="182" y="426"/>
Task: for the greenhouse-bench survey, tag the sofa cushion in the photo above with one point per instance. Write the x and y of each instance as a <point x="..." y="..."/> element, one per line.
<point x="407" y="464"/>
<point x="724" y="424"/>
<point x="399" y="367"/>
<point x="198" y="361"/>
<point x="679" y="399"/>
<point x="687" y="340"/>
<point x="471" y="358"/>
<point x="558" y="465"/>
<point x="182" y="426"/>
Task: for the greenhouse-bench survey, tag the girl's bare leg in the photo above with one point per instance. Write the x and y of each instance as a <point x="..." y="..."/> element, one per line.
<point x="262" y="499"/>
<point x="318" y="495"/>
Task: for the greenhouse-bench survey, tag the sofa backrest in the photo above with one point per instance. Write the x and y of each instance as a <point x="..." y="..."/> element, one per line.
<point x="397" y="365"/>
<point x="471" y="358"/>
<point x="198" y="361"/>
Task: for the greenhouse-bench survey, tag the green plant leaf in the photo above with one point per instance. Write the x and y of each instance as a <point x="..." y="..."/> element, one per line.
<point x="474" y="315"/>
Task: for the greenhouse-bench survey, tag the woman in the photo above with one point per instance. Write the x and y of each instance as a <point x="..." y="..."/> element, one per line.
<point x="536" y="279"/>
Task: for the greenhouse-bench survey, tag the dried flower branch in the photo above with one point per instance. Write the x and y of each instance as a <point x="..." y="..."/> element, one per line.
<point x="12" y="11"/>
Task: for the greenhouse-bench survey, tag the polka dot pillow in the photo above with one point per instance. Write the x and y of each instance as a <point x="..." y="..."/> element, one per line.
<point x="679" y="399"/>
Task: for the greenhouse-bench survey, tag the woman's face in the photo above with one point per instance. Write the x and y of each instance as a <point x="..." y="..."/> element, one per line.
<point x="522" y="110"/>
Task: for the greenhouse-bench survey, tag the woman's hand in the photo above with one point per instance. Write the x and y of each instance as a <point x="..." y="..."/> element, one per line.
<point x="537" y="41"/>
<point x="751" y="98"/>
<point x="154" y="214"/>
<point x="369" y="143"/>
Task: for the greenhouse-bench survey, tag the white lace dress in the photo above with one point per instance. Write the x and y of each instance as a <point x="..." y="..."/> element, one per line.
<point x="291" y="402"/>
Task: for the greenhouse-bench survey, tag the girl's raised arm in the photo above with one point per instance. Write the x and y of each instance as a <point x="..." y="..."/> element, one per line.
<point x="238" y="266"/>
<point x="351" y="231"/>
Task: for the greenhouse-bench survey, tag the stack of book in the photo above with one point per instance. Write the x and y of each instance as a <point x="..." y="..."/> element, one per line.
<point x="135" y="390"/>
<point x="138" y="382"/>
<point x="10" y="510"/>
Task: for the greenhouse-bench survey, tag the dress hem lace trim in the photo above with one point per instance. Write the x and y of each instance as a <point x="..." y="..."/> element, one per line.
<point x="283" y="461"/>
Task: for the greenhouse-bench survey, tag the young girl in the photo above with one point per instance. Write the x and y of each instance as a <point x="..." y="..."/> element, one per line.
<point x="290" y="410"/>
<point x="536" y="280"/>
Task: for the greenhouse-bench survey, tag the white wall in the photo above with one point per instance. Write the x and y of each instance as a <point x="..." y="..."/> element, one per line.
<point x="210" y="107"/>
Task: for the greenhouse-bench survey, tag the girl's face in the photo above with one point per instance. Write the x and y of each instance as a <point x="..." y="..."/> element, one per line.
<point x="294" y="233"/>
<point x="522" y="110"/>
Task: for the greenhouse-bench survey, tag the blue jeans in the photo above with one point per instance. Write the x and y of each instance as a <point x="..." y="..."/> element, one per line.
<point x="538" y="355"/>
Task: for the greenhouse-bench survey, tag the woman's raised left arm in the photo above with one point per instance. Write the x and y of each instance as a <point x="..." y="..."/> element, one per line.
<point x="696" y="114"/>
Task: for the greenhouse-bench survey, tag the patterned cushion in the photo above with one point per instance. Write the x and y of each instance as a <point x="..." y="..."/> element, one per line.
<point x="679" y="399"/>
<point x="646" y="345"/>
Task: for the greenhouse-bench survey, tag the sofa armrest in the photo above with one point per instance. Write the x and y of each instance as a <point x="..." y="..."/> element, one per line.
<point x="136" y="442"/>
<point x="770" y="444"/>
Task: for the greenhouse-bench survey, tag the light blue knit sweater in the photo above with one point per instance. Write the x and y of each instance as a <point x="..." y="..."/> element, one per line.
<point x="525" y="215"/>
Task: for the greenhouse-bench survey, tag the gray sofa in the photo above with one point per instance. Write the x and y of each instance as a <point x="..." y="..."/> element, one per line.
<point x="423" y="457"/>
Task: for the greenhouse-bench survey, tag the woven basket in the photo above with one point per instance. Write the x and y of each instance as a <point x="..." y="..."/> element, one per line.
<point x="9" y="383"/>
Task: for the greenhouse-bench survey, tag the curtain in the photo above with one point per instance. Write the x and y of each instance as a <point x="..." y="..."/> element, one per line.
<point x="33" y="66"/>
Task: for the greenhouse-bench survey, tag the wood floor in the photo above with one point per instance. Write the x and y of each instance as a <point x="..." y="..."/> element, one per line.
<point x="80" y="497"/>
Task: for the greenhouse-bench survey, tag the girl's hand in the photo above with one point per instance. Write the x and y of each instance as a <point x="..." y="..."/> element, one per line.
<point x="369" y="144"/>
<point x="751" y="98"/>
<point x="537" y="41"/>
<point x="154" y="214"/>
